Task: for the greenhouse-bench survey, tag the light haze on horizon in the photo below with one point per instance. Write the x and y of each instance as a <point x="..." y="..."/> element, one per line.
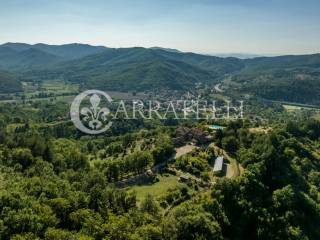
<point x="204" y="26"/>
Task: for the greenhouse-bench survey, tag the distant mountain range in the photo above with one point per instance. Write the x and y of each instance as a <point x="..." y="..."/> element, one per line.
<point x="115" y="69"/>
<point x="24" y="56"/>
<point x="289" y="78"/>
<point x="237" y="55"/>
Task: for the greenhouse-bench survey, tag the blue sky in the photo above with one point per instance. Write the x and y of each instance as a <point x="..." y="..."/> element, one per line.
<point x="205" y="26"/>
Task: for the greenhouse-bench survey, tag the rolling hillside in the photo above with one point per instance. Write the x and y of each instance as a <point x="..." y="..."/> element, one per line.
<point x="283" y="62"/>
<point x="135" y="69"/>
<point x="9" y="83"/>
<point x="143" y="69"/>
<point x="30" y="58"/>
<point x="285" y="78"/>
<point x="214" y="64"/>
<point x="21" y="56"/>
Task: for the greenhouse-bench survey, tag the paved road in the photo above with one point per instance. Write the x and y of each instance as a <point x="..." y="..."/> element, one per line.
<point x="217" y="88"/>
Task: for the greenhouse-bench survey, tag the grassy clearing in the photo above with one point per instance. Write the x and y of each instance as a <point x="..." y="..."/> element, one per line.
<point x="12" y="127"/>
<point x="260" y="129"/>
<point x="291" y="108"/>
<point x="55" y="90"/>
<point x="59" y="87"/>
<point x="128" y="95"/>
<point x="316" y="116"/>
<point x="158" y="188"/>
<point x="54" y="87"/>
<point x="67" y="99"/>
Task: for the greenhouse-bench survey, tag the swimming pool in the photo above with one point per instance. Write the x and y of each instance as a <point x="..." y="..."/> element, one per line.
<point x="216" y="127"/>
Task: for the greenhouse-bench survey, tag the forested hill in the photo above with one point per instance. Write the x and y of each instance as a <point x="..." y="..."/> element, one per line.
<point x="19" y="56"/>
<point x="56" y="184"/>
<point x="284" y="62"/>
<point x="9" y="83"/>
<point x="145" y="69"/>
<point x="285" y="78"/>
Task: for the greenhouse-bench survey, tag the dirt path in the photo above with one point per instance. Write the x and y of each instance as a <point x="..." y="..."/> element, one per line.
<point x="184" y="150"/>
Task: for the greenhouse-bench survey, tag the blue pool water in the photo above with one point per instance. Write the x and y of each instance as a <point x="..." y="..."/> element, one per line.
<point x="216" y="127"/>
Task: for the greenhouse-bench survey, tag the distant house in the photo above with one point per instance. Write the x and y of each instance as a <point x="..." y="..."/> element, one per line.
<point x="184" y="178"/>
<point x="218" y="165"/>
<point x="150" y="172"/>
<point x="184" y="134"/>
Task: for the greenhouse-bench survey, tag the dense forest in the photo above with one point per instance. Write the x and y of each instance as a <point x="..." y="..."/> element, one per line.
<point x="57" y="183"/>
<point x="9" y="83"/>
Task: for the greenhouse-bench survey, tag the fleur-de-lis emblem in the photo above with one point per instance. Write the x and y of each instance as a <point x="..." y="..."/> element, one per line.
<point x="93" y="119"/>
<point x="95" y="115"/>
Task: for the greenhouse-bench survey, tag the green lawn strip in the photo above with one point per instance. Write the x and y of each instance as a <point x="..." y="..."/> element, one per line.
<point x="156" y="189"/>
